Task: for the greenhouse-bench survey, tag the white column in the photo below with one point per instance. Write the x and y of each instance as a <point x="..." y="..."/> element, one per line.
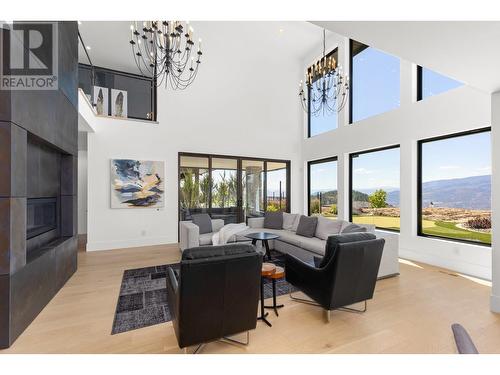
<point x="495" y="203"/>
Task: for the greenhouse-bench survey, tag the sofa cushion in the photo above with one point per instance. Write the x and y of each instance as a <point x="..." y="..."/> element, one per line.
<point x="204" y="222"/>
<point x="290" y="221"/>
<point x="313" y="244"/>
<point x="307" y="226"/>
<point x="290" y="238"/>
<point x="273" y="220"/>
<point x="327" y="227"/>
<point x="334" y="241"/>
<point x="206" y="239"/>
<point x="353" y="228"/>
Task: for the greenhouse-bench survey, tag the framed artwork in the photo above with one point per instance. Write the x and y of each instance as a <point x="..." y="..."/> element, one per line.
<point x="101" y="100"/>
<point x="118" y="103"/>
<point x="137" y="183"/>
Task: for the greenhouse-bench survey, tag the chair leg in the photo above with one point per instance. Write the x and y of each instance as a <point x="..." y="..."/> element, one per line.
<point x="303" y="300"/>
<point x="237" y="342"/>
<point x="350" y="309"/>
<point x="327" y="314"/>
<point x="197" y="350"/>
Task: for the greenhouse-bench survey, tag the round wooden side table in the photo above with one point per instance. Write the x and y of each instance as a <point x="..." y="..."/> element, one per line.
<point x="278" y="274"/>
<point x="267" y="270"/>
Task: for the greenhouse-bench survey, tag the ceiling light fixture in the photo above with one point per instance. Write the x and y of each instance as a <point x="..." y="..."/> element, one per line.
<point x="326" y="88"/>
<point x="164" y="50"/>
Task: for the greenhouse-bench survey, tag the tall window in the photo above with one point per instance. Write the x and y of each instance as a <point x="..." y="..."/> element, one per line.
<point x="322" y="187"/>
<point x="276" y="186"/>
<point x="323" y="122"/>
<point x="374" y="82"/>
<point x="375" y="188"/>
<point x="455" y="187"/>
<point x="430" y="83"/>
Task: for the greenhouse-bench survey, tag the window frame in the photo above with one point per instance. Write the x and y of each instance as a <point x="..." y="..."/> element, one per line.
<point x="356" y="154"/>
<point x="312" y="162"/>
<point x="335" y="50"/>
<point x="419" y="184"/>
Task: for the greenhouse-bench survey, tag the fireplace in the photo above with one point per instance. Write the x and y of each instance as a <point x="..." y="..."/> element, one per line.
<point x="41" y="216"/>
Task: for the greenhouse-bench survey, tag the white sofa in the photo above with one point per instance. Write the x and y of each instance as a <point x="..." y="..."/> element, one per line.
<point x="289" y="242"/>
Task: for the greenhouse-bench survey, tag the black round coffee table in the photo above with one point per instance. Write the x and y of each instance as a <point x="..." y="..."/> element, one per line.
<point x="264" y="237"/>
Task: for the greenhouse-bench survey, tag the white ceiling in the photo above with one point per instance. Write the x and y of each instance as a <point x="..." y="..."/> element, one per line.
<point x="110" y="48"/>
<point x="464" y="50"/>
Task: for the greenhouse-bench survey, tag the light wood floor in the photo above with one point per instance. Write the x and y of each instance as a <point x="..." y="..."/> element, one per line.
<point x="411" y="313"/>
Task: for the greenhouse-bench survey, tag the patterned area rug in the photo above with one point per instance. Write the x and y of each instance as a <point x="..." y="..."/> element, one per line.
<point x="143" y="296"/>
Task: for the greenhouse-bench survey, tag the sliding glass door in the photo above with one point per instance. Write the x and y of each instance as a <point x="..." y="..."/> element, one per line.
<point x="232" y="188"/>
<point x="224" y="172"/>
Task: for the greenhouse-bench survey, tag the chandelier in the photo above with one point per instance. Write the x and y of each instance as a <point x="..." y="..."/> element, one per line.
<point x="164" y="50"/>
<point x="326" y="88"/>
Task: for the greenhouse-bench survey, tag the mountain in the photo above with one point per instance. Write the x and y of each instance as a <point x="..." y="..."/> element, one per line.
<point x="470" y="192"/>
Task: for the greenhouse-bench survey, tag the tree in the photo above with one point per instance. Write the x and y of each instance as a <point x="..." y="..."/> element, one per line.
<point x="378" y="199"/>
<point x="314" y="206"/>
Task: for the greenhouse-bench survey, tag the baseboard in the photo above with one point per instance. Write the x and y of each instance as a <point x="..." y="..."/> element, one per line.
<point x="495" y="303"/>
<point x="122" y="244"/>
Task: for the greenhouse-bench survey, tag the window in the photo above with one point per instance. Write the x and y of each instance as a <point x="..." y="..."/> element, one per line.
<point x="374" y="82"/>
<point x="323" y="122"/>
<point x="232" y="188"/>
<point x="374" y="188"/>
<point x="430" y="83"/>
<point x="276" y="183"/>
<point x="322" y="187"/>
<point x="454" y="182"/>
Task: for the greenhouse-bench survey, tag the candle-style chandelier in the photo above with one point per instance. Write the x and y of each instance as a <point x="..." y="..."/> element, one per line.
<point x="164" y="50"/>
<point x="326" y="89"/>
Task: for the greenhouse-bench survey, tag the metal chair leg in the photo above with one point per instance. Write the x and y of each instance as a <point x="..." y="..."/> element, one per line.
<point x="350" y="309"/>
<point x="237" y="342"/>
<point x="327" y="314"/>
<point x="303" y="300"/>
<point x="196" y="350"/>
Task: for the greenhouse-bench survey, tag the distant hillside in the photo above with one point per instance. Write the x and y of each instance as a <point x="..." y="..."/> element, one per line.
<point x="471" y="192"/>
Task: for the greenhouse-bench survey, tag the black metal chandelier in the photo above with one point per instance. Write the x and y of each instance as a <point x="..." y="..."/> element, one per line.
<point x="326" y="89"/>
<point x="164" y="50"/>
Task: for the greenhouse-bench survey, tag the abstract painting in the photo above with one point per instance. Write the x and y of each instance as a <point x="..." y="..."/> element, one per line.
<point x="118" y="103"/>
<point x="137" y="183"/>
<point x="101" y="100"/>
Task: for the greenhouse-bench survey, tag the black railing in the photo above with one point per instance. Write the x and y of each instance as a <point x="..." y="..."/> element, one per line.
<point x="140" y="90"/>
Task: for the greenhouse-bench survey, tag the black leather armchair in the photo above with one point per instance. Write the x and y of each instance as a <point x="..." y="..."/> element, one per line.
<point x="346" y="275"/>
<point x="216" y="293"/>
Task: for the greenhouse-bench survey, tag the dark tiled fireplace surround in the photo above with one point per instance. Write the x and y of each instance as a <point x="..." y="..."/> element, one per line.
<point x="38" y="201"/>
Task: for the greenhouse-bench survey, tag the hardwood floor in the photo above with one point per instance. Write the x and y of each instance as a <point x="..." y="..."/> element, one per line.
<point x="411" y="313"/>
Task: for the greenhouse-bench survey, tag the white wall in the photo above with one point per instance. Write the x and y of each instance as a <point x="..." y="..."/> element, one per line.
<point x="243" y="102"/>
<point x="495" y="146"/>
<point x="458" y="110"/>
<point x="82" y="192"/>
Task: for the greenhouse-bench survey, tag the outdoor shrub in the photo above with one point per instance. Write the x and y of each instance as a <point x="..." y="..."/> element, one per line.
<point x="479" y="223"/>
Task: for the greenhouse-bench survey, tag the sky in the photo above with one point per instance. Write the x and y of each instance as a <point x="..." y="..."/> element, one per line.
<point x="375" y="83"/>
<point x="434" y="83"/>
<point x="324" y="176"/>
<point x="457" y="157"/>
<point x="374" y="170"/>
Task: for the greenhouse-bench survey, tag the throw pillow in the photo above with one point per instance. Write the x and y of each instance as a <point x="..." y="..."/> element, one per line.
<point x="290" y="221"/>
<point x="307" y="226"/>
<point x="204" y="222"/>
<point x="354" y="228"/>
<point x="273" y="220"/>
<point x="327" y="227"/>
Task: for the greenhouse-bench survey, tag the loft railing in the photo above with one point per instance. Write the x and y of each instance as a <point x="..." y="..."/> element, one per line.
<point x="98" y="84"/>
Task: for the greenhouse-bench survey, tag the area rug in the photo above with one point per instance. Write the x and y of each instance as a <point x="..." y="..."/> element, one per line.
<point x="143" y="295"/>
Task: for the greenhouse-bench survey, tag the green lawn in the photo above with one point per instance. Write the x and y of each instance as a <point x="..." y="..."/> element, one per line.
<point x="379" y="221"/>
<point x="432" y="228"/>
